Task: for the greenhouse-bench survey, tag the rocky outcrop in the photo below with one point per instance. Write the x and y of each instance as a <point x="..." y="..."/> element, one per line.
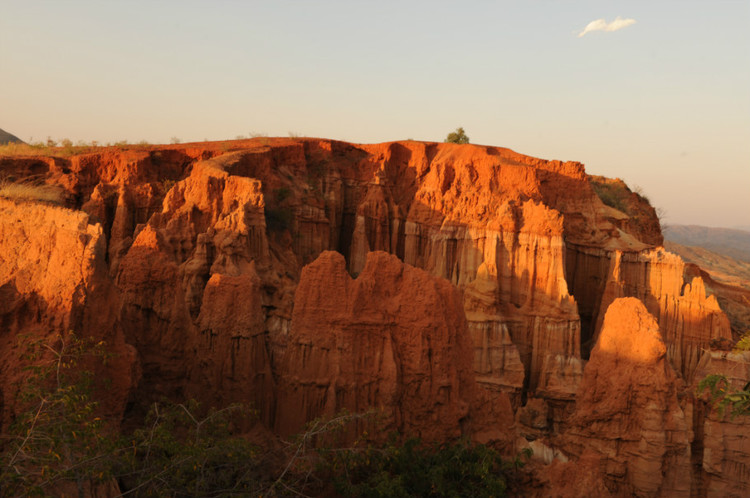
<point x="688" y="319"/>
<point x="53" y="280"/>
<point x="192" y="295"/>
<point x="496" y="270"/>
<point x="395" y="339"/>
<point x="628" y="410"/>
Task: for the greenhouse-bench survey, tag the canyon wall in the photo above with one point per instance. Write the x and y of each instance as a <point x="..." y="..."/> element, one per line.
<point x="470" y="281"/>
<point x="53" y="280"/>
<point x="394" y="339"/>
<point x="628" y="410"/>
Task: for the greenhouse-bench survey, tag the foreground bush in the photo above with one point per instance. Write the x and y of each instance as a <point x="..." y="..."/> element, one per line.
<point x="57" y="439"/>
<point x="413" y="469"/>
<point x="178" y="453"/>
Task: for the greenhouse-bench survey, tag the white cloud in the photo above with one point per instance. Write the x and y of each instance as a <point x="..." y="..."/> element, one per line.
<point x="602" y="25"/>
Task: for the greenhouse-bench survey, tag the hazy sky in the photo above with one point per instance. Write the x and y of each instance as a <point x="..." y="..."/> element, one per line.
<point x="654" y="92"/>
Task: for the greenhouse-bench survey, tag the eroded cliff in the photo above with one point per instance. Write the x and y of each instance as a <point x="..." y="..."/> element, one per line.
<point x="53" y="280"/>
<point x="202" y="252"/>
<point x="628" y="410"/>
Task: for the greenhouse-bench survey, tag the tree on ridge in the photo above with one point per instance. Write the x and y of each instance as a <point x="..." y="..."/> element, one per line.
<point x="457" y="137"/>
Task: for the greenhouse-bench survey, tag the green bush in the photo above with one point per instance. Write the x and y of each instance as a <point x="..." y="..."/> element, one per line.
<point x="743" y="344"/>
<point x="59" y="442"/>
<point x="457" y="137"/>
<point x="721" y="397"/>
<point x="414" y="469"/>
<point x="57" y="439"/>
<point x="179" y="453"/>
<point x="612" y="194"/>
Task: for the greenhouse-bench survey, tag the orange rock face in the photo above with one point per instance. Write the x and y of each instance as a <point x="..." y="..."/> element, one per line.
<point x="53" y="279"/>
<point x="468" y="280"/>
<point x="192" y="300"/>
<point x="627" y="408"/>
<point x="394" y="339"/>
<point x="687" y="317"/>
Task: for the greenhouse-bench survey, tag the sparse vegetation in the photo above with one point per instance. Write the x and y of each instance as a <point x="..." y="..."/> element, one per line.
<point x="457" y="137"/>
<point x="634" y="203"/>
<point x="613" y="194"/>
<point x="61" y="148"/>
<point x="59" y="442"/>
<point x="181" y="453"/>
<point x="58" y="437"/>
<point x="719" y="390"/>
<point x="661" y="214"/>
<point x="638" y="190"/>
<point x="66" y="148"/>
<point x="412" y="468"/>
<point x="167" y="184"/>
<point x="722" y="397"/>
<point x="30" y="192"/>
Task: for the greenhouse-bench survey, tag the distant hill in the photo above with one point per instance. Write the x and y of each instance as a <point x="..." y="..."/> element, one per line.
<point x="6" y="137"/>
<point x="726" y="278"/>
<point x="722" y="268"/>
<point x="725" y="241"/>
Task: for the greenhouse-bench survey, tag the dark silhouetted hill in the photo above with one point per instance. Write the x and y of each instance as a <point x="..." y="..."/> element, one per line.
<point x="6" y="137"/>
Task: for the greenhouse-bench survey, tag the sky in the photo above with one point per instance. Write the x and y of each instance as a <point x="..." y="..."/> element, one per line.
<point x="654" y="92"/>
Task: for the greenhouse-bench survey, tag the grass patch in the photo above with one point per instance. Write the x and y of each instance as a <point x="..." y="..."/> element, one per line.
<point x="34" y="193"/>
<point x="66" y="149"/>
<point x="613" y="194"/>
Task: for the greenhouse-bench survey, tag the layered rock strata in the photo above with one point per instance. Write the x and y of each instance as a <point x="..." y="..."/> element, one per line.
<point x="200" y="250"/>
<point x="394" y="339"/>
<point x="192" y="297"/>
<point x="628" y="409"/>
<point x="687" y="317"/>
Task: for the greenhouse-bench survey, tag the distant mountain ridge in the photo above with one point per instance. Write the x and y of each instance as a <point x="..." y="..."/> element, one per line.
<point x="726" y="241"/>
<point x="6" y="138"/>
<point x="722" y="268"/>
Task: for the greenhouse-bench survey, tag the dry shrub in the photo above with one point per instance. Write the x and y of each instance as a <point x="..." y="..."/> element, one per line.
<point x="66" y="149"/>
<point x="28" y="192"/>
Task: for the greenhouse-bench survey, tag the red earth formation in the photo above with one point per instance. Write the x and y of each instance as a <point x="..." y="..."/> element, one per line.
<point x="458" y="289"/>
